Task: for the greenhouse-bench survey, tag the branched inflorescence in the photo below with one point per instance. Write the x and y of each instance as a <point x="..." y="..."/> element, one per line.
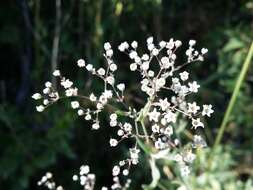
<point x="158" y="119"/>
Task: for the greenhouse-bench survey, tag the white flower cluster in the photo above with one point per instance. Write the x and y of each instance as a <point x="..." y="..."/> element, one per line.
<point x="85" y="178"/>
<point x="47" y="181"/>
<point x="157" y="121"/>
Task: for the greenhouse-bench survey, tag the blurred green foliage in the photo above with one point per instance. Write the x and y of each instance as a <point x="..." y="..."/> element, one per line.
<point x="56" y="140"/>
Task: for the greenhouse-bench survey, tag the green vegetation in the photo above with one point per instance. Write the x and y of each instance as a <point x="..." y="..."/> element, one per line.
<point x="38" y="36"/>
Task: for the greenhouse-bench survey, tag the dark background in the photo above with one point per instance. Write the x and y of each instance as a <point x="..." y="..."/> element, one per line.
<point x="56" y="140"/>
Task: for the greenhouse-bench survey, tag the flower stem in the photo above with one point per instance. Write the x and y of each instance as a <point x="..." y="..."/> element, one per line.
<point x="234" y="96"/>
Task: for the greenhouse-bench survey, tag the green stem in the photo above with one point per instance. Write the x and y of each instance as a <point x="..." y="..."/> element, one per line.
<point x="234" y="96"/>
<point x="145" y="131"/>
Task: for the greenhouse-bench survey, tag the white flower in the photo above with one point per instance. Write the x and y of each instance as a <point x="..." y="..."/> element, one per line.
<point x="162" y="44"/>
<point x="160" y="83"/>
<point x="36" y="96"/>
<point x="109" y="52"/>
<point x="189" y="157"/>
<point x="151" y="73"/>
<point x="89" y="67"/>
<point x="93" y="98"/>
<point x="145" y="66"/>
<point x="127" y="127"/>
<point x="113" y="123"/>
<point x="81" y="63"/>
<point x="107" y="46"/>
<point x="207" y="110"/>
<point x="115" y="170"/>
<point x="133" y="66"/>
<point x="59" y="188"/>
<point x="107" y="94"/>
<point x="168" y="130"/>
<point x="48" y="84"/>
<point x="121" y="86"/>
<point x="125" y="172"/>
<point x="75" y="177"/>
<point x="197" y="123"/>
<point x="192" y="42"/>
<point x="178" y="43"/>
<point x="164" y="104"/>
<point x="145" y="57"/>
<point x="46" y="90"/>
<point x="184" y="76"/>
<point x="40" y="108"/>
<point x="178" y="158"/>
<point x="120" y="133"/>
<point x="75" y="104"/>
<point x="101" y="71"/>
<point x="113" y="67"/>
<point x="113" y="116"/>
<point x="134" y="44"/>
<point x="110" y="80"/>
<point x="71" y="92"/>
<point x="170" y="44"/>
<point x="133" y="54"/>
<point x="84" y="170"/>
<point x="166" y="62"/>
<point x="170" y="117"/>
<point x="123" y="46"/>
<point x="154" y="115"/>
<point x="95" y="126"/>
<point x="56" y="73"/>
<point x="150" y="40"/>
<point x="87" y="117"/>
<point x="80" y="112"/>
<point x="204" y="51"/>
<point x="198" y="141"/>
<point x="45" y="102"/>
<point x="66" y="83"/>
<point x="193" y="87"/>
<point x="193" y="108"/>
<point x="155" y="128"/>
<point x="113" y="142"/>
<point x="155" y="51"/>
<point x="185" y="171"/>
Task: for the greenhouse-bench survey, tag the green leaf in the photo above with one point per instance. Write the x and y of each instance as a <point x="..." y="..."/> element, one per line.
<point x="233" y="44"/>
<point x="155" y="175"/>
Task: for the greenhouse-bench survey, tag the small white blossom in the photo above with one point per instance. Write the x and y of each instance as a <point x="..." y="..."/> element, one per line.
<point x="193" y="87"/>
<point x="40" y="108"/>
<point x="192" y="42"/>
<point x="193" y="108"/>
<point x="185" y="171"/>
<point x="56" y="73"/>
<point x="121" y="86"/>
<point x="75" y="104"/>
<point x="81" y="63"/>
<point x="113" y="67"/>
<point x="89" y="67"/>
<point x="207" y="110"/>
<point x="36" y="96"/>
<point x="184" y="76"/>
<point x="154" y="115"/>
<point x="155" y="128"/>
<point x="101" y="71"/>
<point x="93" y="98"/>
<point x="113" y="142"/>
<point x="164" y="104"/>
<point x="110" y="80"/>
<point x="197" y="123"/>
<point x="133" y="66"/>
<point x="107" y="46"/>
<point x="115" y="170"/>
<point x="204" y="51"/>
<point x="134" y="44"/>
